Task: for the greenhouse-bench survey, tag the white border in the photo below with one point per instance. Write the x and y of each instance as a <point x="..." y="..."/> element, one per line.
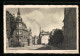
<point x="41" y="51"/>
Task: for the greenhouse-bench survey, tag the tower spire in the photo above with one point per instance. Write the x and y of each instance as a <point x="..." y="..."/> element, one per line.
<point x="18" y="13"/>
<point x="18" y="18"/>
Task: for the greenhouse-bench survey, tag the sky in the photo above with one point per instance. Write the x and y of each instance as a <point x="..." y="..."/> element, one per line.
<point x="46" y="18"/>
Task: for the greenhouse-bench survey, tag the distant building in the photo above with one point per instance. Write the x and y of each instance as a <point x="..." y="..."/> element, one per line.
<point x="35" y="40"/>
<point x="70" y="28"/>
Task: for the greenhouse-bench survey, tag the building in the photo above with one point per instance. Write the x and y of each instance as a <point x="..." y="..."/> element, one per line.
<point x="21" y="32"/>
<point x="10" y="26"/>
<point x="35" y="40"/>
<point x="17" y="33"/>
<point x="69" y="28"/>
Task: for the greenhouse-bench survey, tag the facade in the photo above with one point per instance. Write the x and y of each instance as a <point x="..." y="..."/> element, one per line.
<point x="70" y="28"/>
<point x="17" y="32"/>
<point x="8" y="28"/>
<point x="10" y="22"/>
<point x="21" y="33"/>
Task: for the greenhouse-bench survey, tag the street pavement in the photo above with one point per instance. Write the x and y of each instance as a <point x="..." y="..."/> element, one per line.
<point x="49" y="47"/>
<point x="35" y="47"/>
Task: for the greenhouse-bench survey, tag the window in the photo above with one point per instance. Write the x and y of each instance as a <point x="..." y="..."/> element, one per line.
<point x="17" y="33"/>
<point x="20" y="32"/>
<point x="20" y="25"/>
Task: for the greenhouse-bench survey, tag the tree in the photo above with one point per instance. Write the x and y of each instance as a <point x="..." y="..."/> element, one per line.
<point x="56" y="37"/>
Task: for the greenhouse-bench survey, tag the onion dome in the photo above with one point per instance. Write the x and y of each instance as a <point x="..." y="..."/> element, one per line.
<point x="18" y="18"/>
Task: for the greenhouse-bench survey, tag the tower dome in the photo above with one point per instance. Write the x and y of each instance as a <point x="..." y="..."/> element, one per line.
<point x="18" y="18"/>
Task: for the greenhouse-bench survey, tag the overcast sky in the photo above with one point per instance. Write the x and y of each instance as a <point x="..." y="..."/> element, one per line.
<point x="46" y="18"/>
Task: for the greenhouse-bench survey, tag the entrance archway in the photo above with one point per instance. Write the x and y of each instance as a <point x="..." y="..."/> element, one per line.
<point x="44" y="36"/>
